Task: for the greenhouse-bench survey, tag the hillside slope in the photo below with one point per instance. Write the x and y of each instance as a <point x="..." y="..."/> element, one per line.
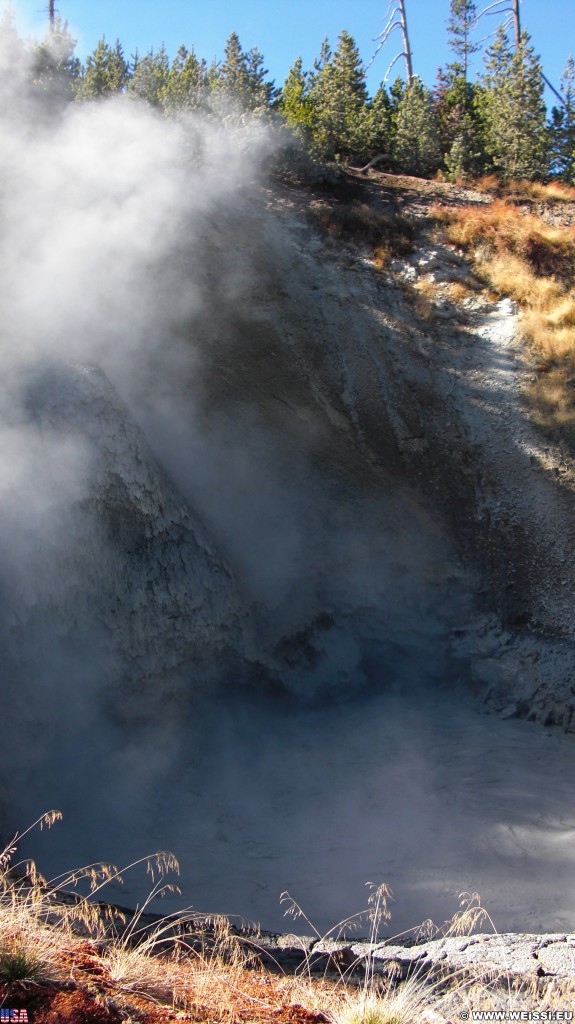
<point x="369" y="431"/>
<point x="288" y="550"/>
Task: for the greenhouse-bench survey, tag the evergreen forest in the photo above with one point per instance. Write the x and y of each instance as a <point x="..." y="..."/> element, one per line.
<point x="455" y="127"/>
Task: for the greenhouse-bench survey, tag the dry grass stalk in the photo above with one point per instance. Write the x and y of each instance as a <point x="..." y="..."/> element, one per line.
<point x="211" y="975"/>
<point x="554" y="190"/>
<point x="519" y="255"/>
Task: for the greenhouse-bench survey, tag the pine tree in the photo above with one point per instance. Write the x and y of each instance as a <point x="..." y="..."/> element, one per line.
<point x="457" y="111"/>
<point x="339" y="97"/>
<point x="212" y="76"/>
<point x="261" y="93"/>
<point x="459" y="124"/>
<point x="377" y="126"/>
<point x="295" y="103"/>
<point x="465" y="157"/>
<point x="55" y="69"/>
<point x="562" y="128"/>
<point x="416" y="144"/>
<point x="106" y="71"/>
<point x="320" y="94"/>
<point x="232" y="83"/>
<point x="149" y="77"/>
<point x="396" y="95"/>
<point x="515" y="116"/>
<point x="186" y="85"/>
<point x="460" y="29"/>
<point x="239" y="83"/>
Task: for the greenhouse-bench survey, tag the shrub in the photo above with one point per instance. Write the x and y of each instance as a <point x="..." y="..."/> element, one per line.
<point x="19" y="962"/>
<point x="386" y="233"/>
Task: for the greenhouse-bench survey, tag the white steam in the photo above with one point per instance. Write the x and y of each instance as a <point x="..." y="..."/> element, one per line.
<point x="91" y="207"/>
<point x="141" y="286"/>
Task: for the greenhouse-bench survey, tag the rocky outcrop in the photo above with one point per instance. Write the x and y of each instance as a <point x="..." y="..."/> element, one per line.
<point x="501" y="962"/>
<point x="498" y="959"/>
<point x="368" y="470"/>
<point x="392" y="428"/>
<point x="122" y="582"/>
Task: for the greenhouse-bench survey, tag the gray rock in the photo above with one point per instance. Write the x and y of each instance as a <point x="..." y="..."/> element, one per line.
<point x="501" y="959"/>
<point x="130" y="577"/>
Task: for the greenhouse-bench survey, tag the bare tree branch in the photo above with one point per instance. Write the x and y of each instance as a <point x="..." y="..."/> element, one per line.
<point x="555" y="91"/>
<point x="396" y="24"/>
<point x="396" y="18"/>
<point x="506" y="25"/>
<point x="489" y="8"/>
<point x="407" y="47"/>
<point x="512" y="9"/>
<point x="382" y="43"/>
<point x="389" y="6"/>
<point x="394" y="61"/>
<point x="390" y="25"/>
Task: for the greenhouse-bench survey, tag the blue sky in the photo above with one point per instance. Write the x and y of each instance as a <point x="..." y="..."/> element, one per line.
<point x="287" y="29"/>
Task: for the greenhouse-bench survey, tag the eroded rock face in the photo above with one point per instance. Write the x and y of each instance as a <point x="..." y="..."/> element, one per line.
<point x="347" y="501"/>
<point x="412" y="427"/>
<point x="508" y="959"/>
<point x="369" y="478"/>
<point x="120" y="581"/>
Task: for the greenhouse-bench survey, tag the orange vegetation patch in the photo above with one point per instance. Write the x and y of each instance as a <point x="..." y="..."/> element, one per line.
<point x="385" y="232"/>
<point x="520" y="190"/>
<point x="520" y="255"/>
<point x="89" y="996"/>
<point x="47" y="1004"/>
<point x="502" y="229"/>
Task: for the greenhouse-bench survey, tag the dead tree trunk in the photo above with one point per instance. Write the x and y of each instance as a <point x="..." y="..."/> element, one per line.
<point x="406" y="47"/>
<point x="396" y="19"/>
<point x="516" y="23"/>
<point x="511" y="8"/>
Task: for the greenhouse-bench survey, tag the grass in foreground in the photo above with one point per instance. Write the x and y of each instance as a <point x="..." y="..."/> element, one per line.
<point x="65" y="958"/>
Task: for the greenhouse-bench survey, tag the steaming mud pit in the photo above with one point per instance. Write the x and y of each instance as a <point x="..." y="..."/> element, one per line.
<point x="272" y="543"/>
<point x="415" y="789"/>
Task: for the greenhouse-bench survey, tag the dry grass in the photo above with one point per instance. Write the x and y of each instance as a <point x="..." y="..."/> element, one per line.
<point x="519" y="255"/>
<point x="459" y="291"/>
<point x="551" y="401"/>
<point x="68" y="958"/>
<point x="424" y="294"/>
<point x="500" y="230"/>
<point x="77" y="962"/>
<point x="407" y="1003"/>
<point x="387" y="234"/>
<point x="526" y="190"/>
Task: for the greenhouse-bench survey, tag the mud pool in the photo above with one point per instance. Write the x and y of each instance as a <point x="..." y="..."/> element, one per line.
<point x="429" y="795"/>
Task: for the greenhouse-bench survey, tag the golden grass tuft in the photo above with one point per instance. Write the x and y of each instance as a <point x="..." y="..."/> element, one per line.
<point x="551" y="399"/>
<point x="526" y="190"/>
<point x="501" y="229"/>
<point x="407" y="1003"/>
<point x="459" y="291"/>
<point x="519" y="255"/>
<point x="382" y="256"/>
<point x="71" y="951"/>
